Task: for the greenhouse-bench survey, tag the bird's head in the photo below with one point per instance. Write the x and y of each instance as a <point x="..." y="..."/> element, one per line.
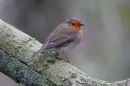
<point x="75" y="24"/>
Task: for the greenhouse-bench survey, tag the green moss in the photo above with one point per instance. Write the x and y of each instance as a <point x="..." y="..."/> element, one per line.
<point x="51" y="77"/>
<point x="14" y="69"/>
<point x="52" y="61"/>
<point x="23" y="47"/>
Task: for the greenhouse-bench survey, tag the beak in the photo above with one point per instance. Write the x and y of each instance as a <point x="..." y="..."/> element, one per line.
<point x="81" y="24"/>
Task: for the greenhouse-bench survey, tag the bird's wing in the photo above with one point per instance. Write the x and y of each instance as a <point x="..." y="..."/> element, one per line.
<point x="61" y="40"/>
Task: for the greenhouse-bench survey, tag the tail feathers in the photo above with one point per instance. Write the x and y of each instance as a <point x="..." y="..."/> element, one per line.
<point x="41" y="50"/>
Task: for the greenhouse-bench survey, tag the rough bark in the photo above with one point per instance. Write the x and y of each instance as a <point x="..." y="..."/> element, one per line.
<point x="43" y="69"/>
<point x="19" y="71"/>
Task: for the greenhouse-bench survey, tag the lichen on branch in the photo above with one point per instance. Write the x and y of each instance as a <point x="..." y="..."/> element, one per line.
<point x="21" y="47"/>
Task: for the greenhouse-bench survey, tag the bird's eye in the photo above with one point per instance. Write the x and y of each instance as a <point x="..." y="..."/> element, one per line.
<point x="73" y="24"/>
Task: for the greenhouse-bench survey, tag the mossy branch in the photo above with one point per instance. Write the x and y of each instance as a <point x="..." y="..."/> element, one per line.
<point x="43" y="69"/>
<point x="19" y="71"/>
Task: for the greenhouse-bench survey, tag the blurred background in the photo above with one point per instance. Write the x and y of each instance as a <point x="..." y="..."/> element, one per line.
<point x="104" y="52"/>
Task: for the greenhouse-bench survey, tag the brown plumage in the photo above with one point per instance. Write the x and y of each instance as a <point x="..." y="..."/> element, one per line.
<point x="65" y="37"/>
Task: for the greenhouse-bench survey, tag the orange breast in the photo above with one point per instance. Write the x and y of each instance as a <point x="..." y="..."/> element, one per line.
<point x="81" y="34"/>
<point x="77" y="29"/>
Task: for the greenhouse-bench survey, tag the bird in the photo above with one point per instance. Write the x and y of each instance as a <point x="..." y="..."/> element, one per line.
<point x="64" y="37"/>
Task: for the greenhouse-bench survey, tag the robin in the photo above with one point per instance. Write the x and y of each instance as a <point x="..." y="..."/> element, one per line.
<point x="65" y="37"/>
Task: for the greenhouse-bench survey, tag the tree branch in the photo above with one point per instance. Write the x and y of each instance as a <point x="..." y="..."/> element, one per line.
<point x="19" y="71"/>
<point x="58" y="73"/>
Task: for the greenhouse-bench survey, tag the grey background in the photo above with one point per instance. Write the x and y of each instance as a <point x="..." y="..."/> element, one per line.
<point x="104" y="52"/>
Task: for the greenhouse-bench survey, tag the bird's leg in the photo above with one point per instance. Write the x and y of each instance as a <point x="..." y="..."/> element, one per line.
<point x="62" y="55"/>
